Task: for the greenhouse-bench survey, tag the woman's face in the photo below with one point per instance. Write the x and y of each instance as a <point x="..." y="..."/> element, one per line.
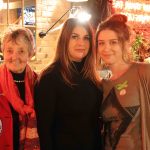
<point x="79" y="44"/>
<point x="16" y="55"/>
<point x="109" y="47"/>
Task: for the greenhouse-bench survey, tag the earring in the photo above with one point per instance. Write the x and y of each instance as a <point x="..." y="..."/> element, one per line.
<point x="105" y="72"/>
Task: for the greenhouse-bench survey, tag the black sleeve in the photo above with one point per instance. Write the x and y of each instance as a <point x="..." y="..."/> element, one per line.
<point x="45" y="99"/>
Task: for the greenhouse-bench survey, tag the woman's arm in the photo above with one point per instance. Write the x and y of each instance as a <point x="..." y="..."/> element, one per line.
<point x="45" y="99"/>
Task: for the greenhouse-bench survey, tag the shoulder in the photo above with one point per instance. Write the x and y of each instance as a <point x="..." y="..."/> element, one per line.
<point x="143" y="66"/>
<point x="2" y="67"/>
<point x="144" y="69"/>
<point x="50" y="74"/>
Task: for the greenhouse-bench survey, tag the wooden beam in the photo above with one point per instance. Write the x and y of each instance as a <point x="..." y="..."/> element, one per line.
<point x="17" y="4"/>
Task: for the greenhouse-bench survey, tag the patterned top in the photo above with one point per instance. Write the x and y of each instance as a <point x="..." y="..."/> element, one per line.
<point x="121" y="112"/>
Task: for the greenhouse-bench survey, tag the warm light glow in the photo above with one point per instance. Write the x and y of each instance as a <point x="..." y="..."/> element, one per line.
<point x="136" y="11"/>
<point x="118" y="4"/>
<point x="132" y="6"/>
<point x="75" y="12"/>
<point x="1" y="4"/>
<point x="138" y="18"/>
<point x="83" y="16"/>
<point x="146" y="8"/>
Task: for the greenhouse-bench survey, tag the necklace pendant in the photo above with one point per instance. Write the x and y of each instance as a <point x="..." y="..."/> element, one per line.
<point x="19" y="81"/>
<point x="106" y="74"/>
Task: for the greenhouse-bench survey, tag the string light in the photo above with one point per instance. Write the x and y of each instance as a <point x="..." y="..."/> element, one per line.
<point x="1" y="4"/>
<point x="136" y="11"/>
<point x="137" y="18"/>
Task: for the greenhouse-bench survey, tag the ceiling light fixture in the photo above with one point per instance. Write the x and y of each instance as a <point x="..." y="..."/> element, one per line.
<point x="75" y="11"/>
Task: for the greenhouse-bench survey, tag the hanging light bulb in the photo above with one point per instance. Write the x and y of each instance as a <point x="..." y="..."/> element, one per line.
<point x="1" y="4"/>
<point x="78" y="12"/>
<point x="83" y="16"/>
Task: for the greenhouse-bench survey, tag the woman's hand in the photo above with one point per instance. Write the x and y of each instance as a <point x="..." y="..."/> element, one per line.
<point x="29" y="111"/>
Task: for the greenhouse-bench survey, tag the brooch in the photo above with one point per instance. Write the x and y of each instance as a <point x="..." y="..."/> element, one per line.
<point x="121" y="87"/>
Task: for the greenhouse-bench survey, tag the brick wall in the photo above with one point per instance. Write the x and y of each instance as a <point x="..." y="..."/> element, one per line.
<point x="47" y="13"/>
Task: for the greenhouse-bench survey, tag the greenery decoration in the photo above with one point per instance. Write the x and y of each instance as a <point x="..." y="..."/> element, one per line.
<point x="135" y="48"/>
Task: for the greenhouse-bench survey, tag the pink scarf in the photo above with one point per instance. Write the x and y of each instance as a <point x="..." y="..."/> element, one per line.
<point x="28" y="132"/>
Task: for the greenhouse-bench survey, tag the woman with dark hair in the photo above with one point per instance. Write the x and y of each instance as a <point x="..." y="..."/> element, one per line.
<point x="125" y="107"/>
<point x="67" y="94"/>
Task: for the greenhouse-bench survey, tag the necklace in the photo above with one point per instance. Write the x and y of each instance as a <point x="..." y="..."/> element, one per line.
<point x="106" y="73"/>
<point x="19" y="81"/>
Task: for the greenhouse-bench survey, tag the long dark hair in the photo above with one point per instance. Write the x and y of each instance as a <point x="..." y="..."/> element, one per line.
<point x="62" y="56"/>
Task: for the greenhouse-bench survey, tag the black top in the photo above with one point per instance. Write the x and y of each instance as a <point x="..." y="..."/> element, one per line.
<point x="15" y="115"/>
<point x="67" y="118"/>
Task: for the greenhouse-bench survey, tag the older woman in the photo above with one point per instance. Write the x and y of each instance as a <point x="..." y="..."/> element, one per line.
<point x="18" y="123"/>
